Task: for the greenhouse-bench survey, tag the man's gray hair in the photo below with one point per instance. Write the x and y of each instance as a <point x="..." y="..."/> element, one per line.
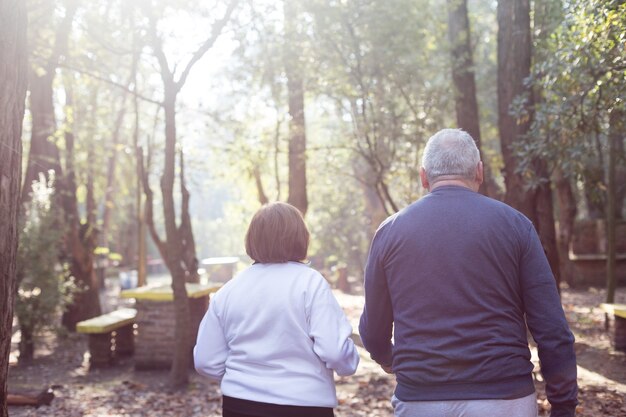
<point x="450" y="152"/>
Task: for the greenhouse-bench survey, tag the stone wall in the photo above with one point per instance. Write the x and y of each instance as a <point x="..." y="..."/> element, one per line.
<point x="156" y="323"/>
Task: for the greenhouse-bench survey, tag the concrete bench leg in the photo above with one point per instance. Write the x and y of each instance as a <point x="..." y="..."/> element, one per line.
<point x="619" y="337"/>
<point x="125" y="340"/>
<point x="100" y="348"/>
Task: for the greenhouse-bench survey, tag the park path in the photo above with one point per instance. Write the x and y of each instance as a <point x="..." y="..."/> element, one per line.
<point x="122" y="392"/>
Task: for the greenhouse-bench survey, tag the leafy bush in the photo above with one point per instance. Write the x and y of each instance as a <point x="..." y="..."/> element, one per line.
<point x="43" y="290"/>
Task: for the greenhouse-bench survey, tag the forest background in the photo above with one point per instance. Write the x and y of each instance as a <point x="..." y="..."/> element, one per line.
<point x="157" y="127"/>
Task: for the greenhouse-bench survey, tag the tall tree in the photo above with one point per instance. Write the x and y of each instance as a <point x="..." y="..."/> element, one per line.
<point x="515" y="101"/>
<point x="81" y="239"/>
<point x="375" y="64"/>
<point x="44" y="155"/>
<point x="178" y="248"/>
<point x="467" y="115"/>
<point x="617" y="133"/>
<point x="546" y="18"/>
<point x="13" y="68"/>
<point x="295" y="90"/>
<point x="548" y="15"/>
<point x="514" y="60"/>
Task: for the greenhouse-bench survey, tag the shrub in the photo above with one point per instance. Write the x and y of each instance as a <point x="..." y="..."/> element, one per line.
<point x="43" y="290"/>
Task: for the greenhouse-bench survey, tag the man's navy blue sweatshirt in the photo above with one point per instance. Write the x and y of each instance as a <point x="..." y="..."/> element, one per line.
<point x="457" y="276"/>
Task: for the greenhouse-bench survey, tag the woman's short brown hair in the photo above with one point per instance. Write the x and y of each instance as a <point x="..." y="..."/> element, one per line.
<point x="277" y="234"/>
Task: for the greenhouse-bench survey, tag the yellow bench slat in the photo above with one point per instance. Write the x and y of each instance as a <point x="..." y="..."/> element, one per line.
<point x="107" y="322"/>
<point x="164" y="292"/>
<point x="615" y="309"/>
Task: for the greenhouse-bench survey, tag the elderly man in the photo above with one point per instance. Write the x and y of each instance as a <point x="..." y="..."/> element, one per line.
<point x="459" y="277"/>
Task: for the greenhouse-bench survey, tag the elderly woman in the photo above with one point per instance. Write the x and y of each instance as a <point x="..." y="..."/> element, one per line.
<point x="274" y="334"/>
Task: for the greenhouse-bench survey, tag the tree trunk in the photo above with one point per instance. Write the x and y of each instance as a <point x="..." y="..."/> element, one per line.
<point x="43" y="155"/>
<point x="26" y="345"/>
<point x="543" y="218"/>
<point x="13" y="66"/>
<point x="178" y="246"/>
<point x="81" y="241"/>
<point x="514" y="58"/>
<point x="260" y="190"/>
<point x="185" y="231"/>
<point x="110" y="189"/>
<point x="90" y="203"/>
<point x="567" y="215"/>
<point x="142" y="278"/>
<point x="182" y="350"/>
<point x="616" y="135"/>
<point x="620" y="175"/>
<point x="297" y="133"/>
<point x="546" y="18"/>
<point x="467" y="115"/>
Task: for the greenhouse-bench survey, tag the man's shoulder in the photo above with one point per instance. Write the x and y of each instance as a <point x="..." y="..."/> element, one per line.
<point x="503" y="208"/>
<point x="388" y="221"/>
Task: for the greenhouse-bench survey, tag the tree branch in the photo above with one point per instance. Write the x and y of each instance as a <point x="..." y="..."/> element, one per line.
<point x="208" y="44"/>
<point x="149" y="217"/>
<point x="110" y="82"/>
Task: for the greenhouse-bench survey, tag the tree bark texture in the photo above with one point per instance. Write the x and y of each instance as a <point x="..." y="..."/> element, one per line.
<point x="567" y="215"/>
<point x="546" y="19"/>
<point x="514" y="62"/>
<point x="514" y="59"/>
<point x="620" y="165"/>
<point x="43" y="155"/>
<point x="186" y="231"/>
<point x="297" y="132"/>
<point x="80" y="241"/>
<point x="13" y="67"/>
<point x="142" y="267"/>
<point x="173" y="260"/>
<point x="616" y="136"/>
<point x="543" y="218"/>
<point x="466" y="105"/>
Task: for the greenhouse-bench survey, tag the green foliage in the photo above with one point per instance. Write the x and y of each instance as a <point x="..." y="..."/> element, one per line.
<point x="389" y="80"/>
<point x="43" y="289"/>
<point x="377" y="85"/>
<point x="582" y="79"/>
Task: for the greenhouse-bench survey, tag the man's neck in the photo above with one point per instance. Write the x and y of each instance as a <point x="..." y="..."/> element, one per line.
<point x="453" y="181"/>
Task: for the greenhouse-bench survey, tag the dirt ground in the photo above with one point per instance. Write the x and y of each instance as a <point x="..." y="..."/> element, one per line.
<point x="62" y="363"/>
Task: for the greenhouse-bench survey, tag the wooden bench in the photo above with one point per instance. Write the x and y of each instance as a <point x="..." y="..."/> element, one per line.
<point x="618" y="311"/>
<point x="110" y="335"/>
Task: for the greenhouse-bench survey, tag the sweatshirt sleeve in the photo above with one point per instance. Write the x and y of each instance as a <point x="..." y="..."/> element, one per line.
<point x="330" y="330"/>
<point x="376" y="323"/>
<point x="548" y="326"/>
<point x="211" y="350"/>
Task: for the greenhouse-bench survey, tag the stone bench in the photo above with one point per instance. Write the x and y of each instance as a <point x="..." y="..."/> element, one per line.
<point x="110" y="335"/>
<point x="618" y="311"/>
<point x="156" y="321"/>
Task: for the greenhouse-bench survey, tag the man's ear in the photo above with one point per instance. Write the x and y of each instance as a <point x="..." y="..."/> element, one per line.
<point x="424" y="179"/>
<point x="480" y="173"/>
